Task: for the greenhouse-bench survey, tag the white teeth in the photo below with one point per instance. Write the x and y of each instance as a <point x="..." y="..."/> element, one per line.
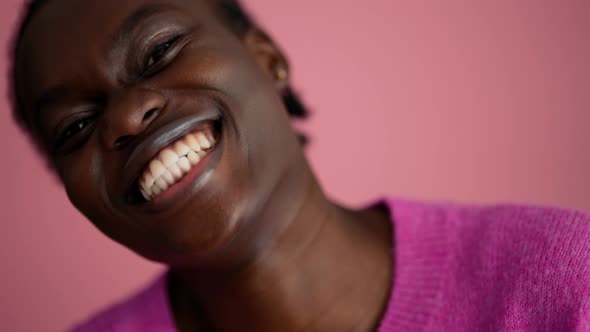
<point x="203" y="141"/>
<point x="160" y="182"/>
<point x="193" y="157"/>
<point x="174" y="162"/>
<point x="168" y="177"/>
<point x="144" y="194"/>
<point x="210" y="137"/>
<point x="184" y="164"/>
<point x="157" y="168"/>
<point x="168" y="157"/>
<point x="193" y="143"/>
<point x="156" y="190"/>
<point x="176" y="172"/>
<point x="181" y="148"/>
<point x="148" y="180"/>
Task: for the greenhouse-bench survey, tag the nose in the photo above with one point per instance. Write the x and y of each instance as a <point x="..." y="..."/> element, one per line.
<point x="128" y="114"/>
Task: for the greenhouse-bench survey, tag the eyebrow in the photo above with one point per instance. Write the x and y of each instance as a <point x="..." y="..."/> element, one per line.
<point x="49" y="97"/>
<point x="56" y="93"/>
<point x="138" y="16"/>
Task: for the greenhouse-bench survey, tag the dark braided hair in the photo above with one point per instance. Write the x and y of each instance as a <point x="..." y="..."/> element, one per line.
<point x="230" y="11"/>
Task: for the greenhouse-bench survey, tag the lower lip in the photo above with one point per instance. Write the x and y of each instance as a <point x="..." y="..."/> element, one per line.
<point x="178" y="193"/>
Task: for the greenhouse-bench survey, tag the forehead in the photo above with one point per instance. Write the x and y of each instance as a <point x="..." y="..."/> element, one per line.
<point x="74" y="19"/>
<point x="70" y="37"/>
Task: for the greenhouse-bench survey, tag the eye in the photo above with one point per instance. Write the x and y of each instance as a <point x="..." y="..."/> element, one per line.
<point x="72" y="132"/>
<point x="76" y="127"/>
<point x="159" y="52"/>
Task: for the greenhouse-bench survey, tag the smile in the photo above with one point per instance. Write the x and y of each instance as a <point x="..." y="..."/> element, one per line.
<point x="175" y="161"/>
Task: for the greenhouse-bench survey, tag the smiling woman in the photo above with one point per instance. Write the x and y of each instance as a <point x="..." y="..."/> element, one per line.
<point x="169" y="125"/>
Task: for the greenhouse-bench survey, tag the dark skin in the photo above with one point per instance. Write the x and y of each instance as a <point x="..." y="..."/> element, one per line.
<point x="253" y="243"/>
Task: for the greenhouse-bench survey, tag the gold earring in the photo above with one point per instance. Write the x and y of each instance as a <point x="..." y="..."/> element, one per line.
<point x="282" y="74"/>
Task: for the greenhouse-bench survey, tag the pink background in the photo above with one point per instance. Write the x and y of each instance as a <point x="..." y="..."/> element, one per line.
<point x="429" y="99"/>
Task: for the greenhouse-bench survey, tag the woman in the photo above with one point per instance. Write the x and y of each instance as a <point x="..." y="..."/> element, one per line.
<point x="168" y="124"/>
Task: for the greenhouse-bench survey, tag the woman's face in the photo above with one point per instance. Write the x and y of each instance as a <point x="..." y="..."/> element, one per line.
<point x="118" y="92"/>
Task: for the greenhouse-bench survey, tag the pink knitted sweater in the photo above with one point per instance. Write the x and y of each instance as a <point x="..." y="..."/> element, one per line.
<point x="457" y="268"/>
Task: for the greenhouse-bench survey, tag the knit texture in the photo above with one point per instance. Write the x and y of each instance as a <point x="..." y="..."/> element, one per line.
<point x="457" y="268"/>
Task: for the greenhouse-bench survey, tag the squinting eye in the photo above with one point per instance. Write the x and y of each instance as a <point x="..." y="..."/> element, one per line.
<point x="159" y="52"/>
<point x="76" y="127"/>
<point x="73" y="129"/>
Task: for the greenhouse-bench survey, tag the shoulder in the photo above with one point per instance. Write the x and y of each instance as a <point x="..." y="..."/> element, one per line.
<point x="533" y="234"/>
<point x="519" y="264"/>
<point x="532" y="264"/>
<point x="146" y="310"/>
<point x="517" y="237"/>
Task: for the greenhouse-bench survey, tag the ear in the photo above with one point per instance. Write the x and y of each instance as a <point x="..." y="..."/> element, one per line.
<point x="269" y="57"/>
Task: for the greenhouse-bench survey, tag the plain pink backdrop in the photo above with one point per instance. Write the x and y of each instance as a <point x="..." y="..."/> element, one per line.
<point x="429" y="99"/>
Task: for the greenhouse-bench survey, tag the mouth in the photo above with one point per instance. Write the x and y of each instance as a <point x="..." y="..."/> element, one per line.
<point x="175" y="165"/>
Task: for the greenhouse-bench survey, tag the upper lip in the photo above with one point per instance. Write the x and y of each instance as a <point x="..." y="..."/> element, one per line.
<point x="151" y="144"/>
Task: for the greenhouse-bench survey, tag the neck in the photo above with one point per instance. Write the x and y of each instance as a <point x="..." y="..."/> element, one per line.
<point x="328" y="269"/>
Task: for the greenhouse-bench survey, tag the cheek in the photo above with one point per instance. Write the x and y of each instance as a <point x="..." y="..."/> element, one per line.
<point x="80" y="174"/>
<point x="85" y="180"/>
<point x="264" y="124"/>
<point x="257" y="115"/>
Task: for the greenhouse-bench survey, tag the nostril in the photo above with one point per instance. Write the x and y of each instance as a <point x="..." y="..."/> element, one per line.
<point x="121" y="141"/>
<point x="148" y="117"/>
<point x="151" y="114"/>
